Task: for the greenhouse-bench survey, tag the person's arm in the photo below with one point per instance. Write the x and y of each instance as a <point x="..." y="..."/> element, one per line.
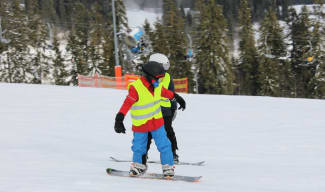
<point x="167" y="93"/>
<point x="171" y="87"/>
<point x="130" y="99"/>
<point x="171" y="84"/>
<point x="174" y="96"/>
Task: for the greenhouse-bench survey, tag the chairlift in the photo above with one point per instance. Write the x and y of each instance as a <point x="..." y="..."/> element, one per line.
<point x="136" y="44"/>
<point x="308" y="62"/>
<point x="134" y="40"/>
<point x="189" y="54"/>
<point x="310" y="59"/>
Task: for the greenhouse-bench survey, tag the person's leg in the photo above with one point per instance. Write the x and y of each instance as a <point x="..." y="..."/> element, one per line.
<point x="139" y="146"/>
<point x="145" y="156"/>
<point x="163" y="145"/>
<point x="170" y="132"/>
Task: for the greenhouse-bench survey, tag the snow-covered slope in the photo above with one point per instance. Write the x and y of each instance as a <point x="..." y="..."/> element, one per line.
<point x="59" y="139"/>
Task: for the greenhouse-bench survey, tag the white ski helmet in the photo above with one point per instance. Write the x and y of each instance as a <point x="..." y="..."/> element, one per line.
<point x="160" y="58"/>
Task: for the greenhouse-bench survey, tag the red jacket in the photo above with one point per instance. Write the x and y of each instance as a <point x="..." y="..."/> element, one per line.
<point x="132" y="97"/>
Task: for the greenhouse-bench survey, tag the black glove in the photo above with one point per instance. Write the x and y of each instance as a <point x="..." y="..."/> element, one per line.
<point x="180" y="101"/>
<point x="119" y="126"/>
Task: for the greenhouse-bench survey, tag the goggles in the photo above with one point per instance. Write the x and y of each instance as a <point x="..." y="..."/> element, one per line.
<point x="160" y="76"/>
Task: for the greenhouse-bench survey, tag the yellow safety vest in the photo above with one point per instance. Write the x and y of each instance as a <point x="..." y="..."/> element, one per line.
<point x="165" y="102"/>
<point x="148" y="106"/>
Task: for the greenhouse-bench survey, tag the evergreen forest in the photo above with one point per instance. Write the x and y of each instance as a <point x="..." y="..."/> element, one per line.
<point x="240" y="47"/>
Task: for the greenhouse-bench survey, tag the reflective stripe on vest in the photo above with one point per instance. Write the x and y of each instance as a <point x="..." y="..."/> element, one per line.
<point x="165" y="102"/>
<point x="148" y="106"/>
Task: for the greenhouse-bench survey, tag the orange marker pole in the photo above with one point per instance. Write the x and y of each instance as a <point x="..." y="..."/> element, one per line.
<point x="118" y="76"/>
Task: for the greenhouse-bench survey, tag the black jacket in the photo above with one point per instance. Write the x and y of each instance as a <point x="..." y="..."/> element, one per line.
<point x="169" y="111"/>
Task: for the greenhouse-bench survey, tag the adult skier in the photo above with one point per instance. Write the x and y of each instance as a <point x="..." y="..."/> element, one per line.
<point x="143" y="101"/>
<point x="168" y="107"/>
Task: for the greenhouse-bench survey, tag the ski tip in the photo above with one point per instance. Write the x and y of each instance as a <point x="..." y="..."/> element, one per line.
<point x="201" y="163"/>
<point x="108" y="170"/>
<point x="198" y="179"/>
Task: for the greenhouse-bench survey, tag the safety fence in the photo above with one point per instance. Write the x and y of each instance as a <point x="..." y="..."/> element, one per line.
<point x="98" y="81"/>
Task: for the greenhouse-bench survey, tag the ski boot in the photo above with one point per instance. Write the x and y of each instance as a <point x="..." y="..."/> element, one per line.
<point x="168" y="171"/>
<point x="137" y="169"/>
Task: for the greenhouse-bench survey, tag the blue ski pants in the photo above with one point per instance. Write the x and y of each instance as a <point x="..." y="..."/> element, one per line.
<point x="139" y="145"/>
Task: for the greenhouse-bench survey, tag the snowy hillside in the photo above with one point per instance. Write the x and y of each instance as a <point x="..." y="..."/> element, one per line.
<point x="58" y="139"/>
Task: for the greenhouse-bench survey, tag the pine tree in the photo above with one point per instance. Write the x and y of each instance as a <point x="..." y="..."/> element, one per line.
<point x="176" y="42"/>
<point x="60" y="73"/>
<point x="148" y="36"/>
<point x="215" y="75"/>
<point x="62" y="12"/>
<point x="272" y="48"/>
<point x="73" y="50"/>
<point x="285" y="8"/>
<point x="318" y="56"/>
<point x="65" y="13"/>
<point x="3" y="15"/>
<point x="96" y="39"/>
<point x="38" y="36"/>
<point x="301" y="49"/>
<point x="248" y="63"/>
<point x="147" y="28"/>
<point x="159" y="39"/>
<point x="79" y="39"/>
<point x="48" y="11"/>
<point x="108" y="66"/>
<point x="4" y="41"/>
<point x="189" y="20"/>
<point x="17" y="65"/>
<point x="121" y="18"/>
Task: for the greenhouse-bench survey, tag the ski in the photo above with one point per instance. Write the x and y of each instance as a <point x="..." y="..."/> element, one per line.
<point x="157" y="176"/>
<point x="200" y="163"/>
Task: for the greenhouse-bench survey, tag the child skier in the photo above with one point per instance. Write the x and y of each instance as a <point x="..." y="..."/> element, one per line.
<point x="168" y="107"/>
<point x="143" y="101"/>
